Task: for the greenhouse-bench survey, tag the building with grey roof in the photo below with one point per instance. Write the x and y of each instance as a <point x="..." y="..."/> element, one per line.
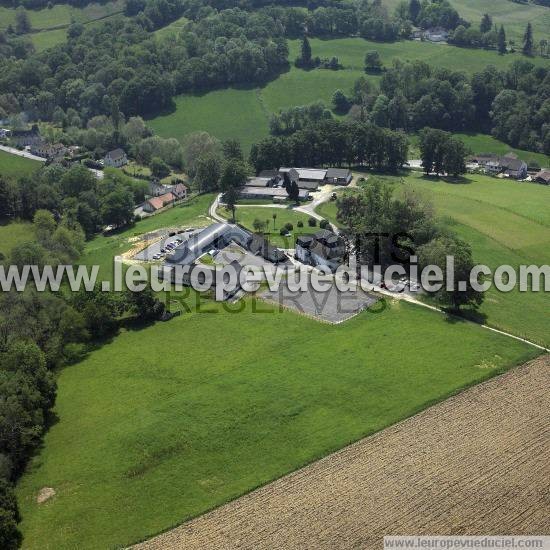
<point x="217" y="235"/>
<point x="325" y="248"/>
<point x="339" y="176"/>
<point x="270" y="193"/>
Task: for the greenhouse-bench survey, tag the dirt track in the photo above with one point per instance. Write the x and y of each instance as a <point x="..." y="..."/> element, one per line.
<point x="478" y="463"/>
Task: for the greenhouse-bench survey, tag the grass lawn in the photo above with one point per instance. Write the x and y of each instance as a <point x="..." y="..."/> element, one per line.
<point x="62" y="14"/>
<point x="44" y="40"/>
<point x="15" y="166"/>
<point x="230" y="113"/>
<point x="171" y="29"/>
<point x="13" y="234"/>
<point x="244" y="113"/>
<point x="506" y="223"/>
<point x="247" y="214"/>
<point x="155" y="428"/>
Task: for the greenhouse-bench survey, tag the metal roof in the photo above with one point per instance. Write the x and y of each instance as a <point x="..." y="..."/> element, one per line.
<point x="199" y="243"/>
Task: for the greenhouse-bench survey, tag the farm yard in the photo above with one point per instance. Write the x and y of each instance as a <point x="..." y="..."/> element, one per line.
<point x="472" y="442"/>
<point x="157" y="413"/>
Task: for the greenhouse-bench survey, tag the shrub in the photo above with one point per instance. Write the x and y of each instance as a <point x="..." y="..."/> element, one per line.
<point x="312" y="222"/>
<point x="289" y="226"/>
<point x="324" y="224"/>
<point x="283" y="231"/>
<point x="300" y="223"/>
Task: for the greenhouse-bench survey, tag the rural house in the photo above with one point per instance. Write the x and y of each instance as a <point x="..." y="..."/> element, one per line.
<point x="436" y="34"/>
<point x="156" y="203"/>
<point x="514" y="168"/>
<point x="322" y="249"/>
<point x="259" y="246"/>
<point x="26" y="138"/>
<point x="509" y="164"/>
<point x="49" y="151"/>
<point x="115" y="158"/>
<point x="543" y="176"/>
<point x="4" y="133"/>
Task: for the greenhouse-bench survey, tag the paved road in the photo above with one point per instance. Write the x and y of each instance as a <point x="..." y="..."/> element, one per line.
<point x="25" y="154"/>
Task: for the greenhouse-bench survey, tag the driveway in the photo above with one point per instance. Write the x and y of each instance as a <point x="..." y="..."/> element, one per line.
<point x="17" y="152"/>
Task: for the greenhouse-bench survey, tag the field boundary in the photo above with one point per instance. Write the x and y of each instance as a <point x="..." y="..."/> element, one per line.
<point x="418" y="452"/>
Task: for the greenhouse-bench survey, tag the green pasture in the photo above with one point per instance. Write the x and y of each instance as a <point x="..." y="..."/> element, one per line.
<point x="13" y="234"/>
<point x="162" y="424"/>
<point x="244" y="113"/>
<point x="506" y="223"/>
<point x="14" y="166"/>
<point x="62" y="14"/>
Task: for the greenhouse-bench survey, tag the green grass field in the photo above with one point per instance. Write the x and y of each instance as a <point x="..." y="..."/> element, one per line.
<point x="160" y="425"/>
<point x="225" y="114"/>
<point x="507" y="223"/>
<point x="49" y="25"/>
<point x="513" y="15"/>
<point x="171" y="29"/>
<point x="483" y="143"/>
<point x="247" y="214"/>
<point x="62" y="14"/>
<point x="14" y="166"/>
<point x="13" y="234"/>
<point x="244" y="113"/>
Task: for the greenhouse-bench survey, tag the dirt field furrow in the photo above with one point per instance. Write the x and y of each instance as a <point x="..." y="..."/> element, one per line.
<point x="478" y="463"/>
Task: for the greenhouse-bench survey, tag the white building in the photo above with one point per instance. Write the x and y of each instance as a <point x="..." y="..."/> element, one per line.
<point x="115" y="158"/>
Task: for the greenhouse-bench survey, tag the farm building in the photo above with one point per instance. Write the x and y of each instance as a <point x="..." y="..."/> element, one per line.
<point x="338" y="176"/>
<point x="48" y="151"/>
<point x="179" y="190"/>
<point x="278" y="193"/>
<point x="217" y="235"/>
<point x="259" y="246"/>
<point x="509" y="164"/>
<point x="322" y="249"/>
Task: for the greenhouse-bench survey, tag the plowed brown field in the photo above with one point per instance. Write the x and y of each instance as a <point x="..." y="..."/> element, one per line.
<point x="476" y="464"/>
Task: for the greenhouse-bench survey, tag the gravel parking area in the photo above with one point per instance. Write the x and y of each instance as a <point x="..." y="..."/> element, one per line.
<point x="146" y="255"/>
<point x="332" y="306"/>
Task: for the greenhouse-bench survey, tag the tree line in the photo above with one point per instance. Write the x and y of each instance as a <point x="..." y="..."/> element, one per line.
<point x="334" y="143"/>
<point x="387" y="223"/>
<point x="42" y="331"/>
<point x="73" y="194"/>
<point x="512" y="104"/>
<point x="137" y="71"/>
